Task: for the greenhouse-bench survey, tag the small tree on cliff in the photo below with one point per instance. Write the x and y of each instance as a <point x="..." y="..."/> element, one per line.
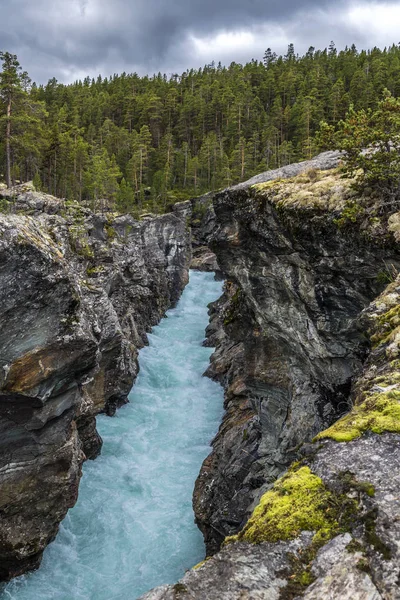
<point x="371" y="142"/>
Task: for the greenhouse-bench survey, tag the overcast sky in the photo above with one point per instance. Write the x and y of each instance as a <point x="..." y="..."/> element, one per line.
<point x="69" y="39"/>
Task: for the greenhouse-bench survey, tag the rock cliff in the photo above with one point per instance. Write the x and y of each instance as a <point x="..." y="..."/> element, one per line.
<point x="307" y="350"/>
<point x="300" y="267"/>
<point x="329" y="528"/>
<point x="200" y="216"/>
<point x="78" y="292"/>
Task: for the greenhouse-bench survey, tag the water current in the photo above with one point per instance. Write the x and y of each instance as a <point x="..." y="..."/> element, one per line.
<point x="133" y="525"/>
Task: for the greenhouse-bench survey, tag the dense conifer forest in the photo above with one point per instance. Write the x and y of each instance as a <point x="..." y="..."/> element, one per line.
<point x="143" y="143"/>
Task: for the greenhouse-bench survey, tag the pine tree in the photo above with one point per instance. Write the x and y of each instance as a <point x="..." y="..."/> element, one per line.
<point x="371" y="142"/>
<point x="125" y="199"/>
<point x="10" y="91"/>
<point x="37" y="183"/>
<point x="179" y="136"/>
<point x="21" y="120"/>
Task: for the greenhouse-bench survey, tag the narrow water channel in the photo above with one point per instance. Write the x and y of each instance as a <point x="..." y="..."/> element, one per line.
<point x="133" y="526"/>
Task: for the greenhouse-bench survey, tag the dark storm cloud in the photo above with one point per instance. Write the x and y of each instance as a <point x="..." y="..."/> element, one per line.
<point x="70" y="38"/>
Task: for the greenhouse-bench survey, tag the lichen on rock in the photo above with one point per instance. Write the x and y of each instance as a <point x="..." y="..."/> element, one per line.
<point x="325" y="190"/>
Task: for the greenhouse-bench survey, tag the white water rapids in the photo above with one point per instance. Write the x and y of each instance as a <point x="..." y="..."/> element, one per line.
<point x="133" y="526"/>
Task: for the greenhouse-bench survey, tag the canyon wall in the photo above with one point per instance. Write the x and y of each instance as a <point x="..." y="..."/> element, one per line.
<point x="78" y="292"/>
<point x="307" y="351"/>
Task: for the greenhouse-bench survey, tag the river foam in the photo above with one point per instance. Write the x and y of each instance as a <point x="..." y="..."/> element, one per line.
<point x="133" y="526"/>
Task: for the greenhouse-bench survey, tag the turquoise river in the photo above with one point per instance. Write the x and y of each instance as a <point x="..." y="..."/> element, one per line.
<point x="133" y="526"/>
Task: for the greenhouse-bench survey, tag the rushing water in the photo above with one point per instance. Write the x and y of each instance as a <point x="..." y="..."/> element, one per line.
<point x="133" y="526"/>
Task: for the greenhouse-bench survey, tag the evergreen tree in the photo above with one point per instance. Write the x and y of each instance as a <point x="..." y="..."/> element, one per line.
<point x="20" y="118"/>
<point x="125" y="199"/>
<point x="181" y="136"/>
<point x="371" y="142"/>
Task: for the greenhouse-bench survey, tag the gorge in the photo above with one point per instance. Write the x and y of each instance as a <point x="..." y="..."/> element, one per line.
<point x="133" y="527"/>
<point x="306" y="338"/>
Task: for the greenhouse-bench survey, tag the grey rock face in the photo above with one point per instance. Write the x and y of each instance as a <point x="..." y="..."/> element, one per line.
<point x="291" y="342"/>
<point x="338" y="575"/>
<point x="292" y="333"/>
<point x="204" y="260"/>
<point x="374" y="459"/>
<point x="199" y="214"/>
<point x="78" y="293"/>
<point x="325" y="161"/>
<point x="363" y="564"/>
<point x="238" y="572"/>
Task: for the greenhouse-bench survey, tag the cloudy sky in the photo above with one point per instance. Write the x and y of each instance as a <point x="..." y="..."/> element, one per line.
<point x="69" y="39"/>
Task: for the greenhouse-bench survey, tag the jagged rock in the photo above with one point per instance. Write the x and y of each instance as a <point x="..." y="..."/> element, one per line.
<point x="359" y="481"/>
<point x="78" y="293"/>
<point x="199" y="214"/>
<point x="298" y="273"/>
<point x="338" y="575"/>
<point x="204" y="260"/>
<point x="238" y="572"/>
<point x="24" y="198"/>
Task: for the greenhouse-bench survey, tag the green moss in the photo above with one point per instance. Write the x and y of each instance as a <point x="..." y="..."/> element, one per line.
<point x="232" y="312"/>
<point x="363" y="565"/>
<point x="306" y="578"/>
<point x="110" y="232"/>
<point x="84" y="250"/>
<point x="298" y="502"/>
<point x="180" y="588"/>
<point x="390" y="378"/>
<point x="4" y="206"/>
<point x="93" y="271"/>
<point x="351" y="483"/>
<point x="387" y="326"/>
<point x="378" y="413"/>
<point x="350" y="214"/>
<point x="268" y="185"/>
<point x="202" y="563"/>
<point x="354" y="546"/>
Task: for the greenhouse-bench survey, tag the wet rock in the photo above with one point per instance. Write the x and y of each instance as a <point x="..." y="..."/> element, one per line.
<point x="204" y="260"/>
<point x="78" y="293"/>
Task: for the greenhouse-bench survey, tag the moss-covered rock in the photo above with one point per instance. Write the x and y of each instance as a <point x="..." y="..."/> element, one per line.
<point x="299" y="501"/>
<point x="326" y="190"/>
<point x="379" y="413"/>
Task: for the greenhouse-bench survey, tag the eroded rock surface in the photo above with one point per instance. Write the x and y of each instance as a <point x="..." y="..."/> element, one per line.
<point x="199" y="214"/>
<point x="340" y="502"/>
<point x="78" y="292"/>
<point x="239" y="571"/>
<point x="299" y="268"/>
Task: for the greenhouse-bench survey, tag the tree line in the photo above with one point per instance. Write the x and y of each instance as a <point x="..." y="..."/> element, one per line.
<point x="143" y="143"/>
